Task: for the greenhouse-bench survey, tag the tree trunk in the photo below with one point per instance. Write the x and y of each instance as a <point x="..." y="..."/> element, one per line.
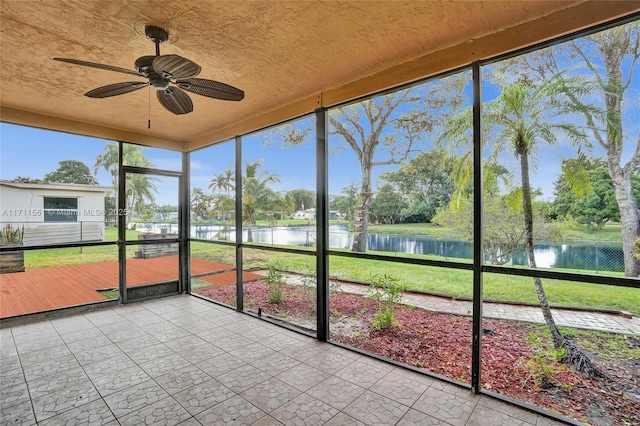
<point x="629" y="219"/>
<point x="528" y="227"/>
<point x="249" y="234"/>
<point x="620" y="176"/>
<point x="361" y="225"/>
<point x="574" y="355"/>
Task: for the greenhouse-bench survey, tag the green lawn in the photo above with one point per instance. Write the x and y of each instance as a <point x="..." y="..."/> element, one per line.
<point x="436" y="231"/>
<point x="71" y="256"/>
<point x="610" y="232"/>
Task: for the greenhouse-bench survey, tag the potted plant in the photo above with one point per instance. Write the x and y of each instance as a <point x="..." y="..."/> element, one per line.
<point x="11" y="236"/>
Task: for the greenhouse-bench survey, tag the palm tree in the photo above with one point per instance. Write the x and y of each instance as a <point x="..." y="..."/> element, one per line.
<point x="257" y="198"/>
<point x="219" y="182"/>
<point x="522" y="117"/>
<point x="139" y="188"/>
<point x="230" y="181"/>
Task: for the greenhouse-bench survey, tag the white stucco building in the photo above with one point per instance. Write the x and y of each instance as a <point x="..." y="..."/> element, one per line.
<point x="54" y="213"/>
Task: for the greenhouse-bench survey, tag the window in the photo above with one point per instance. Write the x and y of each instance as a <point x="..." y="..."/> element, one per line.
<point x="60" y="209"/>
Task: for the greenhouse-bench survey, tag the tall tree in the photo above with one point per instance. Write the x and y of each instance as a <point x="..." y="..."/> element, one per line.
<point x="388" y="205"/>
<point x="594" y="203"/>
<point x="71" y="171"/>
<point x="140" y="189"/>
<point x="201" y="203"/>
<point x="258" y="199"/>
<point x="221" y="182"/>
<point x="140" y="192"/>
<point x="303" y="198"/>
<point x="518" y="121"/>
<point x="387" y="129"/>
<point x="347" y="203"/>
<point x="610" y="59"/>
<point x="426" y="181"/>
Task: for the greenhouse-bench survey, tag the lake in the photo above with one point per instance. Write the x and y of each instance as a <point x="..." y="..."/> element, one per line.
<point x="582" y="255"/>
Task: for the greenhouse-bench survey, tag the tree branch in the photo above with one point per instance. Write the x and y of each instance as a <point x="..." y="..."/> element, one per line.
<point x="588" y="63"/>
<point x="348" y="137"/>
<point x="634" y="162"/>
<point x="636" y="54"/>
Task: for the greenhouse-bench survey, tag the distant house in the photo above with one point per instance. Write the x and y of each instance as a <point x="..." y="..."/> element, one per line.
<point x="54" y="213"/>
<point x="308" y="214"/>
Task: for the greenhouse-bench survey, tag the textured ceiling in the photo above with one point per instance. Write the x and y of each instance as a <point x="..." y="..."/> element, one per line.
<point x="288" y="57"/>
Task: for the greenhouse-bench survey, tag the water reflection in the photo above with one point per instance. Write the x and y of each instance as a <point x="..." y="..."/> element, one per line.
<point x="580" y="255"/>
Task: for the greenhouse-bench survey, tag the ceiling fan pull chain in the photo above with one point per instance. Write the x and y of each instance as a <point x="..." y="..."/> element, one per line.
<point x="149" y="122"/>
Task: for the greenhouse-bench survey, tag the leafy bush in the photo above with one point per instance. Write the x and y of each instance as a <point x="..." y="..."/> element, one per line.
<point x="387" y="291"/>
<point x="308" y="283"/>
<point x="545" y="364"/>
<point x="276" y="281"/>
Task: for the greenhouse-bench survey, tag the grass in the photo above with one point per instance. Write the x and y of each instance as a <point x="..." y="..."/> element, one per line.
<point x="430" y="229"/>
<point x="110" y="294"/>
<point x="610" y="232"/>
<point x="608" y="346"/>
<point x="47" y="258"/>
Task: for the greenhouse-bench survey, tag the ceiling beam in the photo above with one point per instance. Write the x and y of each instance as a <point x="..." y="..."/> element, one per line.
<point x="32" y="119"/>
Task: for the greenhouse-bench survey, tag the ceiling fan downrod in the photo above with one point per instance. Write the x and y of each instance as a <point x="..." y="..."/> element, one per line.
<point x="157" y="36"/>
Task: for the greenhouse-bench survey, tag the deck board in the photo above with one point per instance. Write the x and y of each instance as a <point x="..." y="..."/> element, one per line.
<point x="43" y="289"/>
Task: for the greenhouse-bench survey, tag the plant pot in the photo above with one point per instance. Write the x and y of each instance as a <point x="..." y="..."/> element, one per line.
<point x="11" y="261"/>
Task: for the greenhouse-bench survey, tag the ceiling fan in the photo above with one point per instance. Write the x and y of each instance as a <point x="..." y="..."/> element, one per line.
<point x="170" y="75"/>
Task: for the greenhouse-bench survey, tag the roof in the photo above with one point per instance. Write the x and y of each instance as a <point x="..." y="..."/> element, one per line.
<point x="289" y="57"/>
<point x="57" y="186"/>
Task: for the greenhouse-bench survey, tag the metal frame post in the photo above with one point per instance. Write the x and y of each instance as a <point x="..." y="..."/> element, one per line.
<point x="184" y="219"/>
<point x="322" y="225"/>
<point x="238" y="218"/>
<point x="122" y="225"/>
<point x="478" y="257"/>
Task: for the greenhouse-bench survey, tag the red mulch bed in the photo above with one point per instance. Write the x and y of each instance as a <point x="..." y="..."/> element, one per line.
<point x="441" y="343"/>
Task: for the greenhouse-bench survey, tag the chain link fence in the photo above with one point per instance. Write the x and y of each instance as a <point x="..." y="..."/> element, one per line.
<point x="577" y="255"/>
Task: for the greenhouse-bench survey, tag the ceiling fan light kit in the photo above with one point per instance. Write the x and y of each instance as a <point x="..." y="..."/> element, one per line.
<point x="169" y="75"/>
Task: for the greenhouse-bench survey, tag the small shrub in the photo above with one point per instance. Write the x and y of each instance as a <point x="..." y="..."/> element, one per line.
<point x="387" y="291"/>
<point x="385" y="288"/>
<point x="275" y="281"/>
<point x="335" y="288"/>
<point x="384" y="319"/>
<point x="545" y="363"/>
<point x="308" y="282"/>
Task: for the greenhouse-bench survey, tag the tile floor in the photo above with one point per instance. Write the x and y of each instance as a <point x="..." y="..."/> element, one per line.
<point x="182" y="360"/>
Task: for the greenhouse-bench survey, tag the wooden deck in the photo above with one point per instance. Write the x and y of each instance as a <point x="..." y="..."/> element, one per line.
<point x="44" y="289"/>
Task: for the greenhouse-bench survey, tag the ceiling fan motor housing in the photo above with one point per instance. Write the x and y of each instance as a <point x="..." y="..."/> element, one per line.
<point x="144" y="65"/>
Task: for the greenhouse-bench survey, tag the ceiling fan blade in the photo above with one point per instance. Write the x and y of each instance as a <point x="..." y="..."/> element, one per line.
<point x="175" y="67"/>
<point x="211" y="89"/>
<point x="115" y="89"/>
<point x="175" y="100"/>
<point x="99" y="66"/>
